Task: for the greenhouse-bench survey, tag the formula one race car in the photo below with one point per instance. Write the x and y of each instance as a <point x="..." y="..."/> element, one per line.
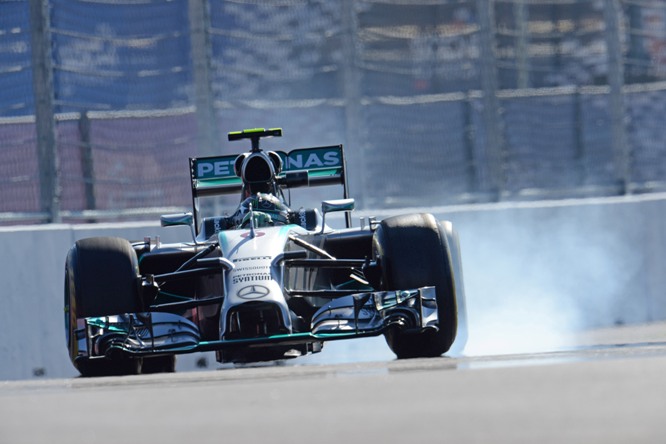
<point x="266" y="282"/>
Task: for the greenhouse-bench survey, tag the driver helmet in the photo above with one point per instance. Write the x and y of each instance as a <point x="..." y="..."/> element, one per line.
<point x="267" y="209"/>
<point x="258" y="170"/>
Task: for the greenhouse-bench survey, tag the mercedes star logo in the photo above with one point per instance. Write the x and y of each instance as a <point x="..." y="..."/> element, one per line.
<point x="253" y="292"/>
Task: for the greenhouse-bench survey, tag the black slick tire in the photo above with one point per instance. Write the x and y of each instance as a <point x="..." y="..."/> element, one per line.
<point x="101" y="279"/>
<point x="413" y="251"/>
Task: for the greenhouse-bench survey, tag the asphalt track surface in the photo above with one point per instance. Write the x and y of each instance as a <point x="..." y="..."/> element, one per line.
<point x="608" y="387"/>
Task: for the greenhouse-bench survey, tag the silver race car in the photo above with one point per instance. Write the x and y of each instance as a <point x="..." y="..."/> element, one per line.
<point x="266" y="282"/>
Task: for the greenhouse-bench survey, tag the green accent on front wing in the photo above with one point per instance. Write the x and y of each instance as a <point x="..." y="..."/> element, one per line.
<point x="164" y="297"/>
<point x="102" y="323"/>
<point x="285" y="339"/>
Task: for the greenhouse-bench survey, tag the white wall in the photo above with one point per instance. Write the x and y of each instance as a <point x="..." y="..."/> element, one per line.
<point x="532" y="272"/>
<point x="32" y="265"/>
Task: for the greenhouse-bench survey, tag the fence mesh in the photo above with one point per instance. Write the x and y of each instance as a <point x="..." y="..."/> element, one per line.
<point x="15" y="62"/>
<point x="648" y="154"/>
<point x="436" y="102"/>
<point x="19" y="174"/>
<point x="120" y="55"/>
<point x="137" y="161"/>
<point x="276" y="50"/>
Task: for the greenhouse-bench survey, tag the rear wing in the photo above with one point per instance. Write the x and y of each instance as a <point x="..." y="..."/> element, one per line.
<point x="303" y="167"/>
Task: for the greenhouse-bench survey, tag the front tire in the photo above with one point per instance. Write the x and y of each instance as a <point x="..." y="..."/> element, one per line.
<point x="413" y="251"/>
<point x="101" y="279"/>
<point x="461" y="300"/>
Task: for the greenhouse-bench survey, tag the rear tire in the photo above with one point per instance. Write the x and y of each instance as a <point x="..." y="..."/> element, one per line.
<point x="101" y="279"/>
<point x="413" y="251"/>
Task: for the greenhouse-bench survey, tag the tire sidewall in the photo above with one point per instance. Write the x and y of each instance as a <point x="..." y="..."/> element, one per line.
<point x="413" y="251"/>
<point x="101" y="279"/>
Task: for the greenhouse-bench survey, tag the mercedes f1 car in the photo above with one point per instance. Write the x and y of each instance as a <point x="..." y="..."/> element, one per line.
<point x="266" y="282"/>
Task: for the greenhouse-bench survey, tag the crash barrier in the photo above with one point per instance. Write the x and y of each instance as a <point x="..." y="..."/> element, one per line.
<point x="559" y="266"/>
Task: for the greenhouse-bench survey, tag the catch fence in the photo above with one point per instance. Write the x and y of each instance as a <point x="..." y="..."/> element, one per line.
<point x="436" y="102"/>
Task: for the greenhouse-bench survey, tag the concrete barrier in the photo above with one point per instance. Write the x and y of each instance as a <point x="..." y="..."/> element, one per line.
<point x="32" y="341"/>
<point x="532" y="271"/>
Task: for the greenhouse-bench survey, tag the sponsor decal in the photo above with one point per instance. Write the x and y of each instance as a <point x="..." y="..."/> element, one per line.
<point x="258" y="267"/>
<point x="215" y="168"/>
<point x="222" y="167"/>
<point x="253" y="258"/>
<point x="250" y="278"/>
<point x="312" y="158"/>
<point x="217" y="225"/>
<point x="253" y="292"/>
<point x="303" y="219"/>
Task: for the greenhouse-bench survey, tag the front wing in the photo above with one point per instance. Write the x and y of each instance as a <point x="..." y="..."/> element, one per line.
<point x="353" y="316"/>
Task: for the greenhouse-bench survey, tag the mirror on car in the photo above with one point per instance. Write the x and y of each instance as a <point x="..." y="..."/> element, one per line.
<point x="172" y="220"/>
<point x="331" y="206"/>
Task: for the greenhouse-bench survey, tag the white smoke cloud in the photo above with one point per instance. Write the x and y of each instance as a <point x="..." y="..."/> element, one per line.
<point x="535" y="276"/>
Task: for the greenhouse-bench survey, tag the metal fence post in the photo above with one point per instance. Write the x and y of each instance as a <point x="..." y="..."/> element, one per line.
<point x="522" y="46"/>
<point x="579" y="137"/>
<point x="621" y="155"/>
<point x="87" y="166"/>
<point x="208" y="134"/>
<point x="468" y="144"/>
<point x="352" y="95"/>
<point x="491" y="104"/>
<point x="42" y="80"/>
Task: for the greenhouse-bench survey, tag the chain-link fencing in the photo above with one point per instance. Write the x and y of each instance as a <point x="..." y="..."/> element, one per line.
<point x="436" y="101"/>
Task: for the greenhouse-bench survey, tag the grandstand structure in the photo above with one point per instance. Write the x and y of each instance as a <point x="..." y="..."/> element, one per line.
<point x="437" y="102"/>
